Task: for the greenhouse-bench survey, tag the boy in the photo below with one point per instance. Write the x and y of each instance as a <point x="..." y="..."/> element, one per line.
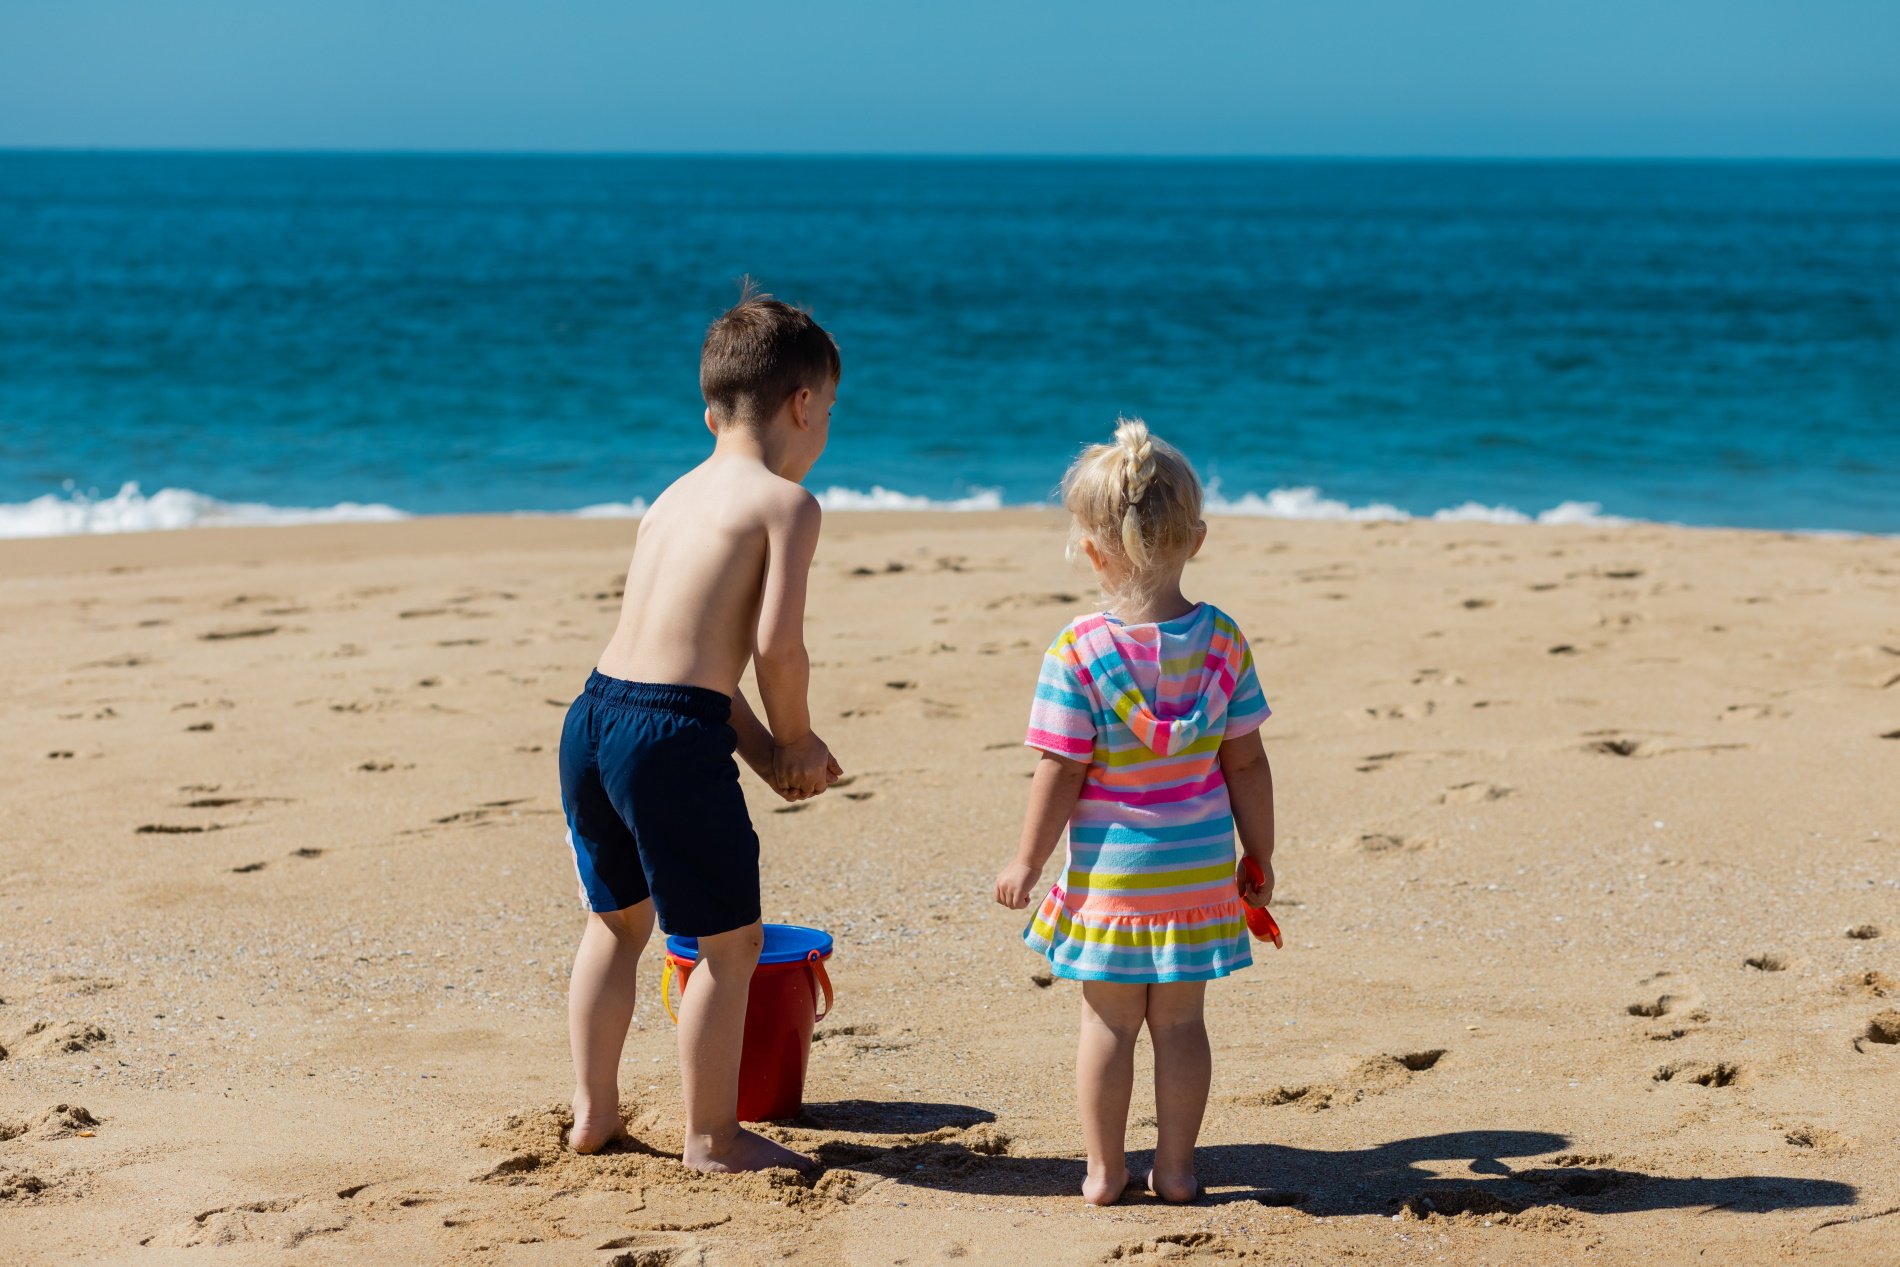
<point x="648" y="784"/>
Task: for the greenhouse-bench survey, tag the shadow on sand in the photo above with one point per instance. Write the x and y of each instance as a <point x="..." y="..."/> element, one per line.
<point x="1382" y="1180"/>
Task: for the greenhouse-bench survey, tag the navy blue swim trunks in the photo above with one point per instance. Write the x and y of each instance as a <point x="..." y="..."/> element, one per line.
<point x="653" y="806"/>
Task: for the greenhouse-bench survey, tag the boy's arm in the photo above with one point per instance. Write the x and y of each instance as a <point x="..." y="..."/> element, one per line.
<point x="800" y="759"/>
<point x="1243" y="763"/>
<point x="1053" y="791"/>
<point x="755" y="741"/>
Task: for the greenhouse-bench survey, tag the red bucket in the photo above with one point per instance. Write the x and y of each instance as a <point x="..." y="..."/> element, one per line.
<point x="780" y="1010"/>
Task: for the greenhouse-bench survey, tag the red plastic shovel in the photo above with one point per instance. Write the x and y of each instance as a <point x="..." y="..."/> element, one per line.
<point x="1259" y="920"/>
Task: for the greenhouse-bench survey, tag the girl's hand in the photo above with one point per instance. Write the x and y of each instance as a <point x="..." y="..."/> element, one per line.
<point x="1250" y="893"/>
<point x="1016" y="884"/>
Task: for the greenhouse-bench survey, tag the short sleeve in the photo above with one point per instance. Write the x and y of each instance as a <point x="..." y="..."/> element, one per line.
<point x="1062" y="720"/>
<point x="1247" y="707"/>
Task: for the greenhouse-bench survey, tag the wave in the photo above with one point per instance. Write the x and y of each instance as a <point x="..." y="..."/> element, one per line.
<point x="1309" y="503"/>
<point x="877" y="497"/>
<point x="129" y="510"/>
<point x="76" y="513"/>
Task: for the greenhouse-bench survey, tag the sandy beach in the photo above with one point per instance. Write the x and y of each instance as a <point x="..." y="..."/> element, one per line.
<point x="1589" y="870"/>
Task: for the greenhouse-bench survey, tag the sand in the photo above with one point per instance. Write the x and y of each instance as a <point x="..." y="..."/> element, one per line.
<point x="1590" y="838"/>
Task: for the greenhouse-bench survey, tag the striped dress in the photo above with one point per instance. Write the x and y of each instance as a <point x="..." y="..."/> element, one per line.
<point x="1148" y="893"/>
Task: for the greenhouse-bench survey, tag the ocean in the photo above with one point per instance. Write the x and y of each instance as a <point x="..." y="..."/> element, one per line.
<point x="253" y="338"/>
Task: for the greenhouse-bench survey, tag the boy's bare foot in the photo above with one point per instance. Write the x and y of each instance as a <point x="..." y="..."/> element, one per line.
<point x="594" y="1131"/>
<point x="1175" y="1189"/>
<point x="744" y="1151"/>
<point x="1105" y="1189"/>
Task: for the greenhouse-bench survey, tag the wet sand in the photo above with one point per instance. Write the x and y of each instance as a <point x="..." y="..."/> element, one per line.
<point x="1590" y="875"/>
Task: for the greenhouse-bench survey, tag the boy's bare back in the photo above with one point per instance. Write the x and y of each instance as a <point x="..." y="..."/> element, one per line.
<point x="706" y="551"/>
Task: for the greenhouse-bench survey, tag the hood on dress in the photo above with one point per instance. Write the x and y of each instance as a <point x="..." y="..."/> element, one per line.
<point x="1102" y="642"/>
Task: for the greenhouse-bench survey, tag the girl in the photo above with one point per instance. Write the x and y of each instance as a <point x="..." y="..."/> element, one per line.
<point x="1147" y="717"/>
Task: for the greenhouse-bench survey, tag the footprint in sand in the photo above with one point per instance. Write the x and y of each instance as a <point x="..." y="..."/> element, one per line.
<point x="58" y="1038"/>
<point x="1473" y="793"/>
<point x="1385" y="843"/>
<point x="1179" y="1247"/>
<point x="62" y="1121"/>
<point x="1703" y="1073"/>
<point x="1374" y="1076"/>
<point x="1403" y="712"/>
<point x="174" y="829"/>
<point x="1877" y="985"/>
<point x="1684" y="1001"/>
<point x="1766" y="963"/>
<point x="1883" y="1030"/>
<point x="60" y="754"/>
<point x="654" y="1249"/>
<point x="19" y="1186"/>
<point x="283" y="1222"/>
<point x="227" y="635"/>
<point x="247" y="868"/>
<point x="488" y="811"/>
<point x="1032" y="600"/>
<point x="1863" y="932"/>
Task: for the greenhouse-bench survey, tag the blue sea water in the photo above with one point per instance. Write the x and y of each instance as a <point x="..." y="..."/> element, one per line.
<point x="1708" y="343"/>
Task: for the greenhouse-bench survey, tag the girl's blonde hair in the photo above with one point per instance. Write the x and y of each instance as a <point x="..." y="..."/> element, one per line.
<point x="1137" y="499"/>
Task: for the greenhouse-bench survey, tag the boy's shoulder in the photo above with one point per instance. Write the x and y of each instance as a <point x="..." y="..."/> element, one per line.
<point x="747" y="493"/>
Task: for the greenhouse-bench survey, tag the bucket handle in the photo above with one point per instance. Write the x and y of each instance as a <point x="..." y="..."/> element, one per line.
<point x="666" y="990"/>
<point x="814" y="964"/>
<point x="821" y="981"/>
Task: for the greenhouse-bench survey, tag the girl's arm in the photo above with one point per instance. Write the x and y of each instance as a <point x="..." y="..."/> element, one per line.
<point x="1053" y="791"/>
<point x="1243" y="763"/>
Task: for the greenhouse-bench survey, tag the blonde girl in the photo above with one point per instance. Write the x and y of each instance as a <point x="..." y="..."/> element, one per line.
<point x="1147" y="716"/>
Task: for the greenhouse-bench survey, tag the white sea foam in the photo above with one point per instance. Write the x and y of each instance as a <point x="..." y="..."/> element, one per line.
<point x="129" y="510"/>
<point x="1309" y="503"/>
<point x="881" y="498"/>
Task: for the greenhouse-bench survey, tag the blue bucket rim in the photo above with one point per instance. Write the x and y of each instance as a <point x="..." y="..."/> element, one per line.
<point x="784" y="943"/>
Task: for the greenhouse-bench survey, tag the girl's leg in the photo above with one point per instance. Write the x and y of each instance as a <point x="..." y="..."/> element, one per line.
<point x="599" y="1009"/>
<point x="1183" y="1069"/>
<point x="1104" y="1080"/>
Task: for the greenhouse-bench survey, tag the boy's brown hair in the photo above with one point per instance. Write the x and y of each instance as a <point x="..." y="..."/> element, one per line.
<point x="759" y="352"/>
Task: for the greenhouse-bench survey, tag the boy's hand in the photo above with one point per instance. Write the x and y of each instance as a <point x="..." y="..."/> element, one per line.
<point x="1250" y="893"/>
<point x="804" y="766"/>
<point x="1016" y="884"/>
<point x="832" y="769"/>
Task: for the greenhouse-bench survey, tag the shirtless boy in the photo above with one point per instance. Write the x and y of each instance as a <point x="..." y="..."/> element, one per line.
<point x="648" y="782"/>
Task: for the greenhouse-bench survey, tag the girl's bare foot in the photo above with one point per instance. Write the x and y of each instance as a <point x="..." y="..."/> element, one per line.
<point x="1103" y="1188"/>
<point x="592" y="1130"/>
<point x="1174" y="1188"/>
<point x="744" y="1151"/>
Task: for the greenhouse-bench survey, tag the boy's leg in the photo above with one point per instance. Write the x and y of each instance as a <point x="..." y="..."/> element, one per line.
<point x="712" y="1034"/>
<point x="599" y="1009"/>
<point x="1183" y="1069"/>
<point x="1104" y="1081"/>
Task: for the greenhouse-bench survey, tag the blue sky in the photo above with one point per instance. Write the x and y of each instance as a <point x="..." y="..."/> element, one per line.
<point x="1715" y="78"/>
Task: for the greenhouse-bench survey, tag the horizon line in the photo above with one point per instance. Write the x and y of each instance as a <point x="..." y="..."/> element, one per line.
<point x="938" y="155"/>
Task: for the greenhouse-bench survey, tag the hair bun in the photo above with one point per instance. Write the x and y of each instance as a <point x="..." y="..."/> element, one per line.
<point x="1138" y="458"/>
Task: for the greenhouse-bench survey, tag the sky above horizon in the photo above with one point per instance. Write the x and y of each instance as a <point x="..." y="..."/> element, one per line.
<point x="1375" y="78"/>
